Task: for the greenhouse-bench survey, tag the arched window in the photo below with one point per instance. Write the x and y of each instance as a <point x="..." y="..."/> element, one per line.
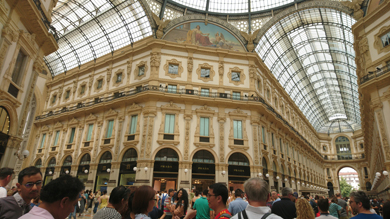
<point x="238" y="159"/>
<point x="274" y="167"/>
<point x="203" y="156"/>
<point x="130" y="155"/>
<point x="85" y="160"/>
<point x="52" y="162"/>
<point x="106" y="157"/>
<point x="68" y="161"/>
<point x="167" y="154"/>
<point x="343" y="148"/>
<point x="38" y="164"/>
<point x="4" y="121"/>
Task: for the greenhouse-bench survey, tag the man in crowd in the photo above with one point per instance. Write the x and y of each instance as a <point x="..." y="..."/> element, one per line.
<point x="360" y="203"/>
<point x="285" y="208"/>
<point x="257" y="194"/>
<point x="344" y="205"/>
<point x="117" y="204"/>
<point x="29" y="185"/>
<point x="376" y="205"/>
<point x="201" y="206"/>
<point x="323" y="207"/>
<point x="238" y="204"/>
<point x="58" y="199"/>
<point x="217" y="197"/>
<point x="275" y="197"/>
<point x="5" y="178"/>
<point x="167" y="204"/>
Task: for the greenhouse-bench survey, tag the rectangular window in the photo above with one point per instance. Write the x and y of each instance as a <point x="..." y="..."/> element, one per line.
<point x="237" y="128"/>
<point x="54" y="99"/>
<point x="204" y="92"/>
<point x="17" y="74"/>
<point x="89" y="135"/>
<point x="272" y="139"/>
<point x="287" y="149"/>
<point x="118" y="77"/>
<point x="281" y="145"/>
<point x="43" y="140"/>
<point x="82" y="89"/>
<point x="172" y="88"/>
<point x="236" y="76"/>
<point x="72" y="135"/>
<point x="328" y="171"/>
<point x="204" y="126"/>
<point x="67" y="94"/>
<point x="173" y="69"/>
<point x="110" y="126"/>
<point x="141" y="70"/>
<point x="56" y="139"/>
<point x="205" y="72"/>
<point x="293" y="153"/>
<point x="263" y="133"/>
<point x="139" y="88"/>
<point x="169" y="123"/>
<point x="236" y="95"/>
<point x="133" y="125"/>
<point x="100" y="83"/>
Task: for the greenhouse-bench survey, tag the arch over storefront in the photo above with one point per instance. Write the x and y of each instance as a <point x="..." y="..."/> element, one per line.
<point x="203" y="169"/>
<point x="165" y="169"/>
<point x="248" y="156"/>
<point x="163" y="147"/>
<point x="124" y="150"/>
<point x="127" y="170"/>
<point x="206" y="149"/>
<point x="13" y="118"/>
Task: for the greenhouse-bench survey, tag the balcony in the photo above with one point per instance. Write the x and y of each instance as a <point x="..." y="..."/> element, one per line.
<point x="374" y="74"/>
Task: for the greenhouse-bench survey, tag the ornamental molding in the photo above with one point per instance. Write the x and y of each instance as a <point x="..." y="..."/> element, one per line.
<point x="205" y="66"/>
<point x="174" y="62"/>
<point x="378" y="42"/>
<point x="73" y="122"/>
<point x="91" y="117"/>
<point x="58" y="125"/>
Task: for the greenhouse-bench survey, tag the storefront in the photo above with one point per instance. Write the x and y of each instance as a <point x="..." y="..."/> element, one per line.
<point x="103" y="172"/>
<point x="49" y="171"/>
<point x="127" y="173"/>
<point x="203" y="170"/>
<point x="239" y="171"/>
<point x="83" y="169"/>
<point x="166" y="167"/>
<point x="275" y="177"/>
<point x="66" y="166"/>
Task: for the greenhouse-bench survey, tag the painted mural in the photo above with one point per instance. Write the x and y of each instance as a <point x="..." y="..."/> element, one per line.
<point x="197" y="33"/>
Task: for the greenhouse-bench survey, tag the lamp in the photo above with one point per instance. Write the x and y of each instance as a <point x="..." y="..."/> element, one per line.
<point x="186" y="170"/>
<point x="267" y="175"/>
<point x="260" y="174"/>
<point x="146" y="169"/>
<point x="223" y="172"/>
<point x="135" y="169"/>
<point x="108" y="170"/>
<point x="277" y="177"/>
<point x="378" y="174"/>
<point x="24" y="154"/>
<point x="292" y="181"/>
<point x="85" y="171"/>
<point x="385" y="173"/>
<point x="67" y="171"/>
<point x="50" y="172"/>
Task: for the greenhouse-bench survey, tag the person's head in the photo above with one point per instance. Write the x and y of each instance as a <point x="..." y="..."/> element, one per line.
<point x="143" y="200"/>
<point x="171" y="192"/>
<point x="217" y="195"/>
<point x="182" y="198"/>
<point x="386" y="210"/>
<point x="274" y="195"/>
<point x="374" y="200"/>
<point x="304" y="209"/>
<point x="239" y="193"/>
<point x="61" y="195"/>
<point x="29" y="183"/>
<point x="119" y="197"/>
<point x="316" y="197"/>
<point x="338" y="195"/>
<point x="256" y="190"/>
<point x="323" y="205"/>
<point x="104" y="192"/>
<point x="179" y="194"/>
<point x="130" y="203"/>
<point x="287" y="192"/>
<point x="196" y="192"/>
<point x="334" y="200"/>
<point x="198" y="27"/>
<point x="5" y="176"/>
<point x="205" y="192"/>
<point x="359" y="201"/>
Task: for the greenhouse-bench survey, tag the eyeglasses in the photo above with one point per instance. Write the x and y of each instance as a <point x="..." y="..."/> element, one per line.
<point x="29" y="185"/>
<point x="208" y="195"/>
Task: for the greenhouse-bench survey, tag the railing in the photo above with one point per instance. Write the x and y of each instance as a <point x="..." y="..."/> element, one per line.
<point x="374" y="74"/>
<point x="49" y="27"/>
<point x="345" y="157"/>
<point x="182" y="91"/>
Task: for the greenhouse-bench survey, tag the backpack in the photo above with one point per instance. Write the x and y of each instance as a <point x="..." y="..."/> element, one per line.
<point x="163" y="196"/>
<point x="246" y="216"/>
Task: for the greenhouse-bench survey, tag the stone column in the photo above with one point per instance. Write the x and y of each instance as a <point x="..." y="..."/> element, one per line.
<point x="114" y="176"/>
<point x="184" y="178"/>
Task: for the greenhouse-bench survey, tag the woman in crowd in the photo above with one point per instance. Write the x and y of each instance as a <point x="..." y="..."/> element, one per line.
<point x="143" y="202"/>
<point x="96" y="201"/>
<point x="180" y="205"/>
<point x="117" y="204"/>
<point x="334" y="208"/>
<point x="103" y="200"/>
<point x="90" y="198"/>
<point x="304" y="209"/>
<point x="197" y="195"/>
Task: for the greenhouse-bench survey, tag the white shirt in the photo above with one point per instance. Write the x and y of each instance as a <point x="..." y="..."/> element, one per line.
<point x="326" y="216"/>
<point x="258" y="212"/>
<point x="37" y="213"/>
<point x="3" y="192"/>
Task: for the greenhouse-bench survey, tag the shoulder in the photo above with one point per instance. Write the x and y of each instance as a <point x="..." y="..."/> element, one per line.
<point x="274" y="216"/>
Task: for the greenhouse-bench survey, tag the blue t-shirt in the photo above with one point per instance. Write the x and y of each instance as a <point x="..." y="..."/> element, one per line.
<point x="367" y="216"/>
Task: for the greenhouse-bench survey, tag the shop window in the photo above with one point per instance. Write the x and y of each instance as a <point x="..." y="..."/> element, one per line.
<point x="38" y="164"/>
<point x="85" y="160"/>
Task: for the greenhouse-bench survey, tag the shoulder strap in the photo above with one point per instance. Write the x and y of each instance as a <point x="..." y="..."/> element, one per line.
<point x="266" y="215"/>
<point x="244" y="214"/>
<point x="225" y="215"/>
<point x="239" y="215"/>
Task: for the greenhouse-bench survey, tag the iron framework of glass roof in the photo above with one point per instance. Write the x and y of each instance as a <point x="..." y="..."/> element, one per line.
<point x="339" y="125"/>
<point x="90" y="29"/>
<point x="311" y="54"/>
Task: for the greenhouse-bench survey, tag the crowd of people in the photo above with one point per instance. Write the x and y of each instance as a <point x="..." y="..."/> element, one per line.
<point x="65" y="197"/>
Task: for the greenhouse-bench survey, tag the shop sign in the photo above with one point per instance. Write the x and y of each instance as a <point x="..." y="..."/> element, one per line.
<point x="162" y="166"/>
<point x="128" y="167"/>
<point x="203" y="168"/>
<point x="239" y="170"/>
<point x="102" y="168"/>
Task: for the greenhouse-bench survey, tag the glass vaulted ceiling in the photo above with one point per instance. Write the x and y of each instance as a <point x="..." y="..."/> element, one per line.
<point x="90" y="29"/>
<point x="311" y="54"/>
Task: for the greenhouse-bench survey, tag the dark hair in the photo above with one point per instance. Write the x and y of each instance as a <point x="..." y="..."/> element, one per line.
<point x="170" y="190"/>
<point x="64" y="186"/>
<point x="323" y="204"/>
<point x="334" y="200"/>
<point x="130" y="203"/>
<point x="238" y="193"/>
<point x="117" y="194"/>
<point x="184" y="197"/>
<point x="196" y="192"/>
<point x="360" y="196"/>
<point x="316" y="197"/>
<point x="28" y="171"/>
<point x="104" y="192"/>
<point x="205" y="192"/>
<point x="307" y="197"/>
<point x="386" y="210"/>
<point x="6" y="171"/>
<point x="220" y="189"/>
<point x="142" y="197"/>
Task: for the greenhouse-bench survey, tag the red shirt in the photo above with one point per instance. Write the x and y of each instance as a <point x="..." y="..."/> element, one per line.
<point x="221" y="213"/>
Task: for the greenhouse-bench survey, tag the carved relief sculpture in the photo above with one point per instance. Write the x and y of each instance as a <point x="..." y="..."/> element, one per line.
<point x="161" y="25"/>
<point x="250" y="38"/>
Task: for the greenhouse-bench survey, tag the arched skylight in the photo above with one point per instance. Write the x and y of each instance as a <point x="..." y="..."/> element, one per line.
<point x="311" y="54"/>
<point x="91" y="29"/>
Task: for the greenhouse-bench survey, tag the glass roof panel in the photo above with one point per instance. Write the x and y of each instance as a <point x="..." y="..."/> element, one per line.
<point x="197" y="4"/>
<point x="310" y="53"/>
<point x="228" y="6"/>
<point x="91" y="29"/>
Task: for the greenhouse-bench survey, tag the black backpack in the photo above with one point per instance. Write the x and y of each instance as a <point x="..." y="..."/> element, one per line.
<point x="246" y="216"/>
